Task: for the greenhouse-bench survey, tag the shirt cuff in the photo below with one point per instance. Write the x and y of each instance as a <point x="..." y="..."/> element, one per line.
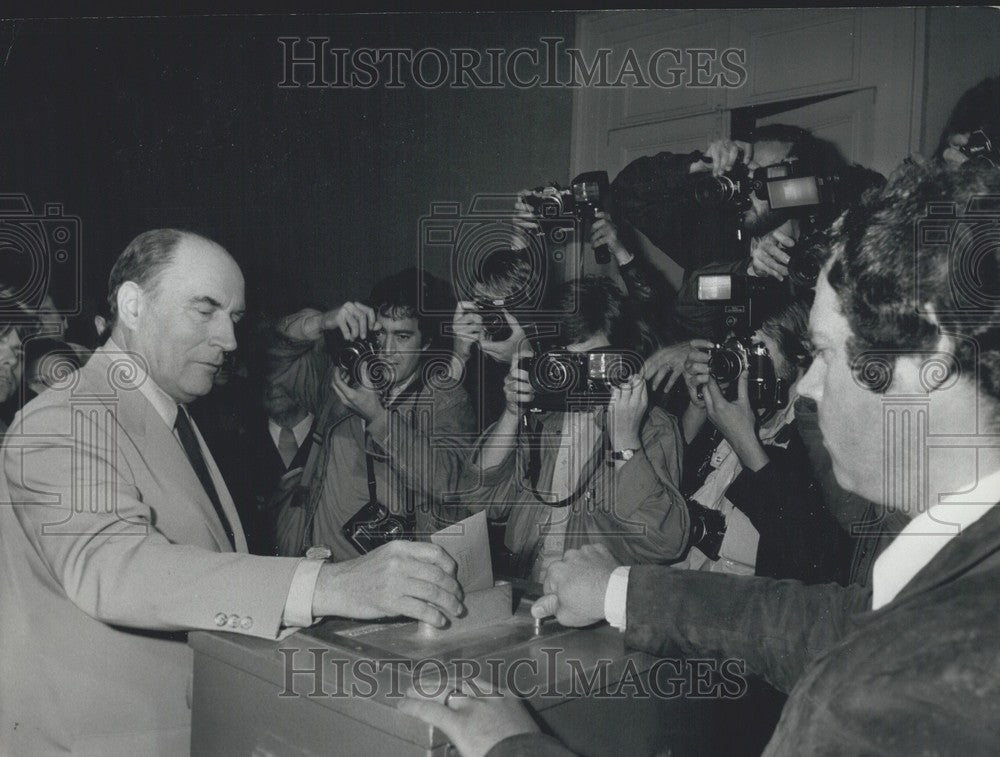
<point x="298" y="605"/>
<point x="615" y="596"/>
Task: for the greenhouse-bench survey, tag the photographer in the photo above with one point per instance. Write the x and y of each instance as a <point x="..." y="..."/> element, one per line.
<point x="786" y="252"/>
<point x="973" y="128"/>
<point x="605" y="472"/>
<point x="657" y="196"/>
<point x="388" y="430"/>
<point x="750" y="464"/>
<point x="486" y="331"/>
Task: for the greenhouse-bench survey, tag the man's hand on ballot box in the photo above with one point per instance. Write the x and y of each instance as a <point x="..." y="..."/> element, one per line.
<point x="415" y="579"/>
<point x="575" y="586"/>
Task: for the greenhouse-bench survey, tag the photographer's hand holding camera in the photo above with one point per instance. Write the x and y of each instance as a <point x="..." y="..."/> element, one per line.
<point x="722" y="155"/>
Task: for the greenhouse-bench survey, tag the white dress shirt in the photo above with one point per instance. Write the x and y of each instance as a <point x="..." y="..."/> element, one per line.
<point x="927" y="534"/>
<point x="300" y="430"/>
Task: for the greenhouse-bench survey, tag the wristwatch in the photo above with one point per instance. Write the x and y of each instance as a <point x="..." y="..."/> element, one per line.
<point x="623" y="454"/>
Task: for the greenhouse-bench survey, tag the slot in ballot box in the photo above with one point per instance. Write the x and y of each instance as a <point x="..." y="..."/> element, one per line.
<point x="333" y="689"/>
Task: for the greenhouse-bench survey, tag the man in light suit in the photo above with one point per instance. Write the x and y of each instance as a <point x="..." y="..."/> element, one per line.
<point x="117" y="533"/>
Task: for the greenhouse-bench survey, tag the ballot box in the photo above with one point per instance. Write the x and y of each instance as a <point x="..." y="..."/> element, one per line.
<point x="333" y="689"/>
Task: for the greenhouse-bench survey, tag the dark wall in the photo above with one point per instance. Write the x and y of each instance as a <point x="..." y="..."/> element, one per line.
<point x="139" y="123"/>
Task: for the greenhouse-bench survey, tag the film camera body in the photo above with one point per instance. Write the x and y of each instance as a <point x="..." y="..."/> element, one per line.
<point x="587" y="194"/>
<point x="736" y="294"/>
<point x="373" y="525"/>
<point x="980" y="149"/>
<point x="783" y="186"/>
<point x="356" y="356"/>
<point x="562" y="380"/>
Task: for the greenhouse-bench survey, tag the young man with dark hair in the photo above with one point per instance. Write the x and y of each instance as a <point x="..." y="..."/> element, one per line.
<point x="605" y="471"/>
<point x="505" y="285"/>
<point x="906" y="374"/>
<point x="390" y="431"/>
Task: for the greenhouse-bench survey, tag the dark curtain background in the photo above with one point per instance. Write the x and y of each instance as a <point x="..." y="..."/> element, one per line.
<point x="132" y="124"/>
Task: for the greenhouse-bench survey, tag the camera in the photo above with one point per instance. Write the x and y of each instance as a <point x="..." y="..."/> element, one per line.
<point x="782" y="186"/>
<point x="465" y="240"/>
<point x="355" y="358"/>
<point x="562" y="379"/>
<point x="764" y="389"/>
<point x="41" y="255"/>
<point x="373" y="525"/>
<point x="743" y="298"/>
<point x="980" y="150"/>
<point x="730" y="188"/>
<point x="587" y="194"/>
<point x="495" y="325"/>
<point x="707" y="530"/>
<point x="806" y="259"/>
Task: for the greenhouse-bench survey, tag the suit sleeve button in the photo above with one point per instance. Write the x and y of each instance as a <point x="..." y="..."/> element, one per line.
<point x="246" y="624"/>
<point x="220" y="619"/>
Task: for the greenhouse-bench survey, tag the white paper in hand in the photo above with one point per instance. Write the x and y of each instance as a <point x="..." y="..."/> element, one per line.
<point x="468" y="543"/>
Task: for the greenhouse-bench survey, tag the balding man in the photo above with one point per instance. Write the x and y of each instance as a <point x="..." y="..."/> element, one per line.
<point x="120" y="535"/>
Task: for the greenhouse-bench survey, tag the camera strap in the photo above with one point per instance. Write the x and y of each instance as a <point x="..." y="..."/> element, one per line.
<point x="409" y="391"/>
<point x="533" y="470"/>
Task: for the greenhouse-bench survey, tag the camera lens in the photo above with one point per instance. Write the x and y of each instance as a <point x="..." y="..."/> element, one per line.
<point x="495" y="326"/>
<point x="725" y="364"/>
<point x="552" y="373"/>
<point x="714" y="190"/>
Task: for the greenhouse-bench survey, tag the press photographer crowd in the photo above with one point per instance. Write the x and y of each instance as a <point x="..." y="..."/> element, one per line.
<point x="713" y="462"/>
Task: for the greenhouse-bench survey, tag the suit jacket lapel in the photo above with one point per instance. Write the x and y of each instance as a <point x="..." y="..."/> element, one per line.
<point x="157" y="442"/>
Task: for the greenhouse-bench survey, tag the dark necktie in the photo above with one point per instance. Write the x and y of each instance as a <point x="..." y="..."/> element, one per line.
<point x="185" y="431"/>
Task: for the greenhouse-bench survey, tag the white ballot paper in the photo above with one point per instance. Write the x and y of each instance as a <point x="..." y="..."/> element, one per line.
<point x="469" y="545"/>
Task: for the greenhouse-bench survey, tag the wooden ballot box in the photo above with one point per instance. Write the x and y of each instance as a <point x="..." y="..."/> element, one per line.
<point x="333" y="689"/>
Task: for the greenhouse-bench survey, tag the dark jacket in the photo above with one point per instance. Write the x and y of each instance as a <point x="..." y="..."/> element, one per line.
<point x="920" y="675"/>
<point x="799" y="538"/>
